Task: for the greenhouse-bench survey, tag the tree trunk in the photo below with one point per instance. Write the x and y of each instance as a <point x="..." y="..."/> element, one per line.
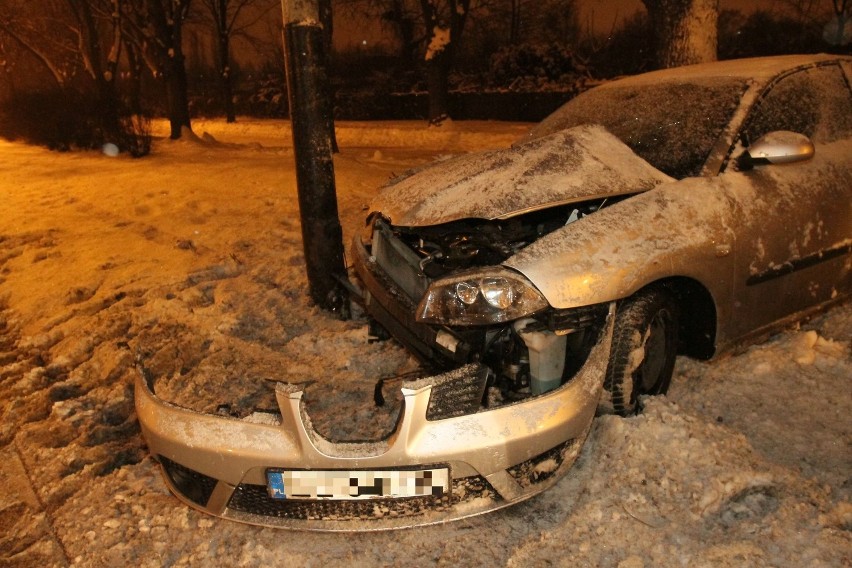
<point x="442" y="41"/>
<point x="225" y="78"/>
<point x="134" y="88"/>
<point x="177" y="100"/>
<point x="685" y="31"/>
<point x="91" y="46"/>
<point x="515" y="22"/>
<point x="223" y="55"/>
<point x="102" y="70"/>
<point x="403" y="25"/>
<point x="437" y="83"/>
<point x="166" y="18"/>
<point x="110" y="113"/>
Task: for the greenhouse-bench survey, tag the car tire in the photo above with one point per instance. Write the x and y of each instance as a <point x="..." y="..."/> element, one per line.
<point x="644" y="346"/>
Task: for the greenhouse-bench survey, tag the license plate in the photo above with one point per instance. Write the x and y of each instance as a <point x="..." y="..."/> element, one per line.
<point x="357" y="484"/>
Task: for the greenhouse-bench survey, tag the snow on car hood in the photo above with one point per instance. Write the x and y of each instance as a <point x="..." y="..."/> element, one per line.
<point x="577" y="164"/>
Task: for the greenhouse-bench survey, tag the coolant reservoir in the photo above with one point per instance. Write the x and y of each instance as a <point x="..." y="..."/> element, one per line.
<point x="547" y="357"/>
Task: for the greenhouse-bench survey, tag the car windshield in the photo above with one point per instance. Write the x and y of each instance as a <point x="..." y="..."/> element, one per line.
<point x="673" y="125"/>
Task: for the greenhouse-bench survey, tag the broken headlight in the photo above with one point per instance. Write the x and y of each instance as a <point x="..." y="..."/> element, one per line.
<point x="480" y="297"/>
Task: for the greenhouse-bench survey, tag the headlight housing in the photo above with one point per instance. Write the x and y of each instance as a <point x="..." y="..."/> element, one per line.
<point x="480" y="297"/>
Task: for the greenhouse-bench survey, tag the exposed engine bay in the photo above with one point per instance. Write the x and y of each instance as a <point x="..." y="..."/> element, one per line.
<point x="526" y="356"/>
<point x="459" y="245"/>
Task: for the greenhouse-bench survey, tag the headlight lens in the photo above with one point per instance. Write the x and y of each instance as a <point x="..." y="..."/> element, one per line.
<point x="480" y="297"/>
<point x="467" y="292"/>
<point x="498" y="292"/>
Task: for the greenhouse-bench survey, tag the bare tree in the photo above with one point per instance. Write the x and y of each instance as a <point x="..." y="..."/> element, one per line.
<point x="431" y="27"/>
<point x="45" y="33"/>
<point x="841" y="23"/>
<point x="684" y="30"/>
<point x="398" y="18"/>
<point x="156" y="29"/>
<point x="135" y="69"/>
<point x="73" y="38"/>
<point x="444" y="22"/>
<point x="515" y="11"/>
<point x="538" y="20"/>
<point x="229" y="19"/>
<point x="100" y="53"/>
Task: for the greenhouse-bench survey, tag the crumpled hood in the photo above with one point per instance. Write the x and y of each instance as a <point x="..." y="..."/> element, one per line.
<point x="577" y="164"/>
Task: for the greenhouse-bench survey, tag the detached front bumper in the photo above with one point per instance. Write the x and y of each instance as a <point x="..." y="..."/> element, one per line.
<point x="495" y="457"/>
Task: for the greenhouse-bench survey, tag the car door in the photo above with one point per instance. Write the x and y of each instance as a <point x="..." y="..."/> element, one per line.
<point x="794" y="220"/>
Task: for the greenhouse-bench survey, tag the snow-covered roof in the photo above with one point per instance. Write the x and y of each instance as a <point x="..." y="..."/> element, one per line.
<point x="757" y="68"/>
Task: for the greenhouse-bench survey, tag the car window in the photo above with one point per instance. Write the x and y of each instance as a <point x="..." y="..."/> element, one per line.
<point x="672" y="125"/>
<point x="814" y="102"/>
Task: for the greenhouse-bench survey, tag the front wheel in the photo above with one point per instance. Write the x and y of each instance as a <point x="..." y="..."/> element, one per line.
<point x="644" y="346"/>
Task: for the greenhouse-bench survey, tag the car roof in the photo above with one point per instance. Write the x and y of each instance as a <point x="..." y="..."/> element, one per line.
<point x="760" y="69"/>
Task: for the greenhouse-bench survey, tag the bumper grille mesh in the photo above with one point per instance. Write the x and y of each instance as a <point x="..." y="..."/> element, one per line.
<point x="254" y="499"/>
<point x="195" y="486"/>
<point x="545" y="465"/>
<point x="455" y="393"/>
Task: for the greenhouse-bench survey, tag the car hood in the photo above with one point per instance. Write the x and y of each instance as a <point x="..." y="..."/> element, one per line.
<point x="581" y="163"/>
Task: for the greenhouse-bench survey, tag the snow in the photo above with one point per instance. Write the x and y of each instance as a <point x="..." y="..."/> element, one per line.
<point x="439" y="42"/>
<point x="582" y="163"/>
<point x="191" y="259"/>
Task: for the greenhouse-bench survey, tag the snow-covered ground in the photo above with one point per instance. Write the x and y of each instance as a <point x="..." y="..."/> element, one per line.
<point x="191" y="258"/>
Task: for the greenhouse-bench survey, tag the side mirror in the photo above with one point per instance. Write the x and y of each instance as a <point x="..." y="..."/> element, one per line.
<point x="778" y="147"/>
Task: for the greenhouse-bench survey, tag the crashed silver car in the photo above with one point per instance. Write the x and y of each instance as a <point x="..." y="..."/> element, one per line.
<point x="677" y="212"/>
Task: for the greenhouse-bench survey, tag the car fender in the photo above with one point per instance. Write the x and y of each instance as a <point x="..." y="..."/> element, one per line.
<point x="683" y="229"/>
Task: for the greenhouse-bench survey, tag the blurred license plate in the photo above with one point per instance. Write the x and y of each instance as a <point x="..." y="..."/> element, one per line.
<point x="357" y="484"/>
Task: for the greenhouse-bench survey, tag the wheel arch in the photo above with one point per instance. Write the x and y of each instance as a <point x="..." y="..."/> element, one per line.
<point x="697" y="332"/>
